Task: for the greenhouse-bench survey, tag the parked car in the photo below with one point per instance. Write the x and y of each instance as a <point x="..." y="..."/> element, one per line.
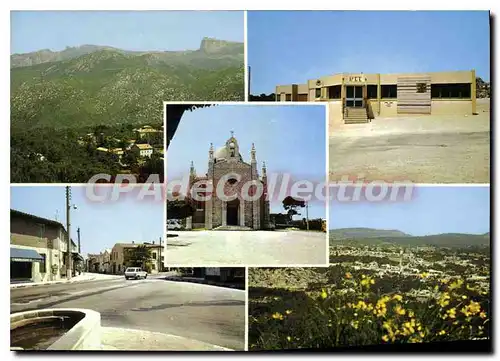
<point x="174" y="225"/>
<point x="135" y="273"/>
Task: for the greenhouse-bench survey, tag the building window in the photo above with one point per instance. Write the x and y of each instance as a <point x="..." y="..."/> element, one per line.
<point x="421" y="88"/>
<point x="371" y="92"/>
<point x="334" y="92"/>
<point x="447" y="91"/>
<point x="153" y="267"/>
<point x="43" y="266"/>
<point x="318" y="92"/>
<point x="389" y="91"/>
<point x="154" y="255"/>
<point x="302" y="97"/>
<point x="289" y="97"/>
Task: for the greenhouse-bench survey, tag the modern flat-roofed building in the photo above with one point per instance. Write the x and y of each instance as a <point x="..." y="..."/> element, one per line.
<point x="357" y="98"/>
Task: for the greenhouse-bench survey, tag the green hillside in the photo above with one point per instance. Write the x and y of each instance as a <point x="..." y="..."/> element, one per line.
<point x="344" y="233"/>
<point x="374" y="236"/>
<point x="93" y="85"/>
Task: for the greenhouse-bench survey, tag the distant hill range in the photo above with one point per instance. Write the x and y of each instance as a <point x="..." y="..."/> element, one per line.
<point x="212" y="53"/>
<point x="365" y="233"/>
<point x="374" y="236"/>
<point x="91" y="84"/>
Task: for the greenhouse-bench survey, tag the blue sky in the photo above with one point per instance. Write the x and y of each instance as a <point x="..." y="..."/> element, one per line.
<point x="289" y="139"/>
<point x="432" y="210"/>
<point x="101" y="224"/>
<point x="286" y="47"/>
<point x="129" y="30"/>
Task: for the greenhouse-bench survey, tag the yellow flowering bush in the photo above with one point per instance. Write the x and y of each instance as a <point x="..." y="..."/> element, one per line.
<point x="353" y="312"/>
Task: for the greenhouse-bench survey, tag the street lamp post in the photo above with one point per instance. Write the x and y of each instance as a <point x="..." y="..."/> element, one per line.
<point x="69" y="267"/>
<point x="78" y="232"/>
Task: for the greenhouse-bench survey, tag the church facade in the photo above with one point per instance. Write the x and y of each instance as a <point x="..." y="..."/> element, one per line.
<point x="227" y="167"/>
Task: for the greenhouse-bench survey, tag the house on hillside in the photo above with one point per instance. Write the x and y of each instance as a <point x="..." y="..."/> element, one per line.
<point x="130" y="143"/>
<point x="145" y="131"/>
<point x="144" y="150"/>
<point x="117" y="151"/>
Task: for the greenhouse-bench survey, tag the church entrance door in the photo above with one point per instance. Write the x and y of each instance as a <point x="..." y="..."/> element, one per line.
<point x="232" y="212"/>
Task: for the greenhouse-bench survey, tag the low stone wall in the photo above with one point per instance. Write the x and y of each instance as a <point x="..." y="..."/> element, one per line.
<point x="84" y="335"/>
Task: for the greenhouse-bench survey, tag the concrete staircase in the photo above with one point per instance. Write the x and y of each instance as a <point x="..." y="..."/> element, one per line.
<point x="232" y="228"/>
<point x="355" y="115"/>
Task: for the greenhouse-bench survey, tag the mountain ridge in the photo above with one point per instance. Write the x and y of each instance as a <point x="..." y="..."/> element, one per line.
<point x="117" y="87"/>
<point x="373" y="235"/>
<point x="208" y="46"/>
<point x="367" y="232"/>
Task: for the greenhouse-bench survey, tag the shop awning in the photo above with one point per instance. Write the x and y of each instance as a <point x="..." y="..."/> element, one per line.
<point x="24" y="255"/>
<point x="77" y="257"/>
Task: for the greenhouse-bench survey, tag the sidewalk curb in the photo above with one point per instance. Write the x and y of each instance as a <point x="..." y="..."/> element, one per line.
<point x="35" y="284"/>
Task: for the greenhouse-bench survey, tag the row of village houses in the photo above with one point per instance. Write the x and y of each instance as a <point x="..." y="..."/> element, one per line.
<point x="144" y="150"/>
<point x="38" y="252"/>
<point x="112" y="261"/>
<point x="38" y="249"/>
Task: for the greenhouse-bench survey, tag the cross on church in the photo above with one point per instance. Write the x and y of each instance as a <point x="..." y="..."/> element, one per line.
<point x="232" y="133"/>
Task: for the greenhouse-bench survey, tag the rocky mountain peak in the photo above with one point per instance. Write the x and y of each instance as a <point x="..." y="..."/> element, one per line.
<point x="212" y="45"/>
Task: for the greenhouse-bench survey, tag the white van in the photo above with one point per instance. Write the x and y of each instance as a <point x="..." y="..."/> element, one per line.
<point x="135" y="273"/>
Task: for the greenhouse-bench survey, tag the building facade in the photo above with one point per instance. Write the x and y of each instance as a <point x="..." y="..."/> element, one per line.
<point x="38" y="249"/>
<point x="118" y="261"/>
<point x="357" y="98"/>
<point x="99" y="262"/>
<point x="226" y="165"/>
<point x="144" y="150"/>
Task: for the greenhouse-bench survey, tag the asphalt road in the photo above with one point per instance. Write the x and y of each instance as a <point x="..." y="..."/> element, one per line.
<point x="253" y="248"/>
<point x="446" y="157"/>
<point x="209" y="314"/>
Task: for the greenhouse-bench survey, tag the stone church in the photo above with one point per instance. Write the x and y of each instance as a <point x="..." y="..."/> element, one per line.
<point x="225" y="163"/>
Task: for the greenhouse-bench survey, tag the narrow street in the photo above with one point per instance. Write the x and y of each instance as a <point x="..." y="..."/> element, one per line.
<point x="214" y="315"/>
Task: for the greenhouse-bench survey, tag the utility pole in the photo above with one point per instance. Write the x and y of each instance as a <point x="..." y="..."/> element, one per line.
<point x="78" y="232"/>
<point x="68" y="225"/>
<point x="160" y="263"/>
<point x="307" y="215"/>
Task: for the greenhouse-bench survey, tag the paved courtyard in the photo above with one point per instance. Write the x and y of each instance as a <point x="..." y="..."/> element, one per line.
<point x="420" y="149"/>
<point x="254" y="248"/>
